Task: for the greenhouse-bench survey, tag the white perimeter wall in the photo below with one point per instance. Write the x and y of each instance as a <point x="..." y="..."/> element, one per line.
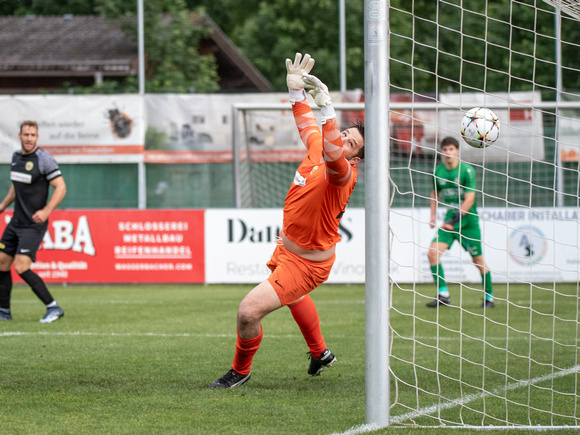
<point x="520" y="245"/>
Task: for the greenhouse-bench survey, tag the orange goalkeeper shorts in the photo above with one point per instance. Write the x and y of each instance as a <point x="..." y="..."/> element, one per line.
<point x="293" y="276"/>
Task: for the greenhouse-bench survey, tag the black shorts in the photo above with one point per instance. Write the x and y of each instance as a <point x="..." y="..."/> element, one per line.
<point x="18" y="240"/>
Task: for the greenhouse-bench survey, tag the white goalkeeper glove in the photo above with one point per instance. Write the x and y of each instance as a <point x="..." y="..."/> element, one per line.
<point x="296" y="69"/>
<point x="319" y="92"/>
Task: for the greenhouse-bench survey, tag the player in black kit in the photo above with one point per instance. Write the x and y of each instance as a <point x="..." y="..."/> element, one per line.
<point x="33" y="171"/>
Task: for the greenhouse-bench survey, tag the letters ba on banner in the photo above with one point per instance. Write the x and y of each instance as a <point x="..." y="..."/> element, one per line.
<point x="122" y="246"/>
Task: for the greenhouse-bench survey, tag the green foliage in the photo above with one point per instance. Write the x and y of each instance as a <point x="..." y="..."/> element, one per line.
<point x="44" y="7"/>
<point x="456" y="47"/>
<point x="173" y="63"/>
<point x="269" y="32"/>
<point x="118" y="8"/>
<point x="428" y="41"/>
<point x="435" y="46"/>
<point x="228" y="14"/>
<point x="121" y="86"/>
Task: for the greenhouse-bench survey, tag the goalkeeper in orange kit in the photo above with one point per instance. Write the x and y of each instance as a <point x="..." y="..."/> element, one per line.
<point x="314" y="205"/>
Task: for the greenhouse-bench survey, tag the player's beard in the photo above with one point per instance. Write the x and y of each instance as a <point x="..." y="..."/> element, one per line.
<point x="29" y="147"/>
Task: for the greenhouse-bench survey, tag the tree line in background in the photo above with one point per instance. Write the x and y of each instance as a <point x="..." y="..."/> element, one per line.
<point x="474" y="51"/>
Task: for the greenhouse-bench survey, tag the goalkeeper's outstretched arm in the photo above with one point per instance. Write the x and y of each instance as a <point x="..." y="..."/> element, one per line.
<point x="338" y="169"/>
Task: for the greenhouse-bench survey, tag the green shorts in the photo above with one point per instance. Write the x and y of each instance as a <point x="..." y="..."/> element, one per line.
<point x="469" y="237"/>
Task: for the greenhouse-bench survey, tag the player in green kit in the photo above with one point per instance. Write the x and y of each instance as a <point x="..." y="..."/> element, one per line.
<point x="455" y="187"/>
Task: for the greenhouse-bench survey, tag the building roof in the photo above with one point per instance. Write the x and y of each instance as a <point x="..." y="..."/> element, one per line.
<point x="77" y="46"/>
<point x="37" y="45"/>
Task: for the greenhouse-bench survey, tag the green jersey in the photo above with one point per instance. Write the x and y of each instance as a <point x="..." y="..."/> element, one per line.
<point x="451" y="186"/>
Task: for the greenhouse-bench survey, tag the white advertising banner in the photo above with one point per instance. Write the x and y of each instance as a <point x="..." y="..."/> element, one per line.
<point x="197" y="128"/>
<point x="76" y="128"/>
<point x="202" y="122"/>
<point x="520" y="245"/>
<point x="538" y="245"/>
<point x="239" y="242"/>
<point x="407" y="248"/>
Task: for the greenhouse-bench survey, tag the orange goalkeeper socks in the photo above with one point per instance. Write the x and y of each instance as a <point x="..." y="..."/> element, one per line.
<point x="306" y="316"/>
<point x="245" y="351"/>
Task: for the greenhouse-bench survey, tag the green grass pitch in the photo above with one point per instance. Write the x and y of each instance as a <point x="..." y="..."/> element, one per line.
<point x="139" y="358"/>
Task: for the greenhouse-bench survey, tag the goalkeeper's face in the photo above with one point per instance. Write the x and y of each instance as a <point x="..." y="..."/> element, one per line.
<point x="352" y="142"/>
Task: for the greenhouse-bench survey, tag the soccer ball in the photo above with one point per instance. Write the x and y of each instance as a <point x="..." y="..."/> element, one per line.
<point x="480" y="127"/>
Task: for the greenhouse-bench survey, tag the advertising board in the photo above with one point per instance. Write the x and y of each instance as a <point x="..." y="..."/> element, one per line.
<point x="121" y="246"/>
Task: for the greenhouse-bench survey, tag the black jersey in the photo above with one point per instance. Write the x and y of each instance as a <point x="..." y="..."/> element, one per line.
<point x="31" y="175"/>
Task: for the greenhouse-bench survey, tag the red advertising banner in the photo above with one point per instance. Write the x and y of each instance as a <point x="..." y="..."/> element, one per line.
<point x="121" y="246"/>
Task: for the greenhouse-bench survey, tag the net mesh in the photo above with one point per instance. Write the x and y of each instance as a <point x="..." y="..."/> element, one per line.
<point x="515" y="364"/>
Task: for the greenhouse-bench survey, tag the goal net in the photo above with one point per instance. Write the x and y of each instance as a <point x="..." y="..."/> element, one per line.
<point x="517" y="364"/>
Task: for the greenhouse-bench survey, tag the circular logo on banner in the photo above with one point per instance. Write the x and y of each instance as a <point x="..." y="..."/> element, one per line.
<point x="527" y="245"/>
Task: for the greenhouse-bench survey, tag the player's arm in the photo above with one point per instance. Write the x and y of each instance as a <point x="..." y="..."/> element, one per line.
<point x="469" y="184"/>
<point x="306" y="123"/>
<point x="8" y="199"/>
<point x="55" y="199"/>
<point x="338" y="169"/>
<point x="468" y="201"/>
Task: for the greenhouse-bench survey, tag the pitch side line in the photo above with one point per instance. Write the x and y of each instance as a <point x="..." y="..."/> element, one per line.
<point x="494" y="392"/>
<point x="117" y="334"/>
<point x="142" y="334"/>
<point x="157" y="334"/>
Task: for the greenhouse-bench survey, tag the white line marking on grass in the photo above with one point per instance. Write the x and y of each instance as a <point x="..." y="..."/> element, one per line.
<point x="359" y="429"/>
<point x="114" y="334"/>
<point x="494" y="392"/>
<point x="487" y="338"/>
<point x="452" y="403"/>
<point x="138" y="334"/>
<point x="341" y="301"/>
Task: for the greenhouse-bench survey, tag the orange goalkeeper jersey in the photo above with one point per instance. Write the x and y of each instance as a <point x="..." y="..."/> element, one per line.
<point x="322" y="184"/>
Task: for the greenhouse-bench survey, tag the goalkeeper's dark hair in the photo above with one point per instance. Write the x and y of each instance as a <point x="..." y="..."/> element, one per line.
<point x="361" y="129"/>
